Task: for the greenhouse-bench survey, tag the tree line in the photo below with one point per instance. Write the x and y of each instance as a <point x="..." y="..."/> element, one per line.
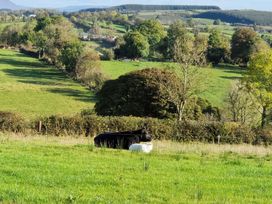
<point x="138" y="7"/>
<point x="239" y="16"/>
<point x="149" y="39"/>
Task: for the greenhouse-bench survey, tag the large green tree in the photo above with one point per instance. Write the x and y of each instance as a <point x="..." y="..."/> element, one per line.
<point x="190" y="54"/>
<point x="154" y="31"/>
<point x="11" y="35"/>
<point x="141" y="93"/>
<point x="176" y="31"/>
<point x="218" y="47"/>
<point x="56" y="36"/>
<point x="259" y="82"/>
<point x="245" y="42"/>
<point x="136" y="45"/>
<point x="70" y="55"/>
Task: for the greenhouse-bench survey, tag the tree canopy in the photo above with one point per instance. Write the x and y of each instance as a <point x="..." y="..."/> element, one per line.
<point x="140" y="93"/>
<point x="259" y="81"/>
<point x="136" y="45"/>
<point x="244" y="43"/>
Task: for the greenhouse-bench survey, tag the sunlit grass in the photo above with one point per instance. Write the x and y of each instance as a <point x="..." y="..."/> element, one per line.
<point x="60" y="170"/>
<point x="34" y="89"/>
<point x="216" y="81"/>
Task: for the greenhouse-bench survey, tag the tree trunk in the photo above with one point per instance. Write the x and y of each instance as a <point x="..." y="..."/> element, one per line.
<point x="264" y="116"/>
<point x="181" y="110"/>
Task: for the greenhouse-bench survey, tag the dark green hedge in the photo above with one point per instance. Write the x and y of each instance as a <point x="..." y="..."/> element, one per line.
<point x="189" y="131"/>
<point x="12" y="122"/>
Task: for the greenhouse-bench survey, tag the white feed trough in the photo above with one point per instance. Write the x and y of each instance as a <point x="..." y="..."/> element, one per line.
<point x="145" y="147"/>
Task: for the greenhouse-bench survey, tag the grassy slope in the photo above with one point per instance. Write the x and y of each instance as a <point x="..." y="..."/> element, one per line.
<point x="34" y="89"/>
<point x="217" y="80"/>
<point x="40" y="172"/>
<point x="29" y="87"/>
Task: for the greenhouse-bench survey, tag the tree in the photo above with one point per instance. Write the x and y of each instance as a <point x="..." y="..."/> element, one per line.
<point x="42" y="23"/>
<point x="259" y="82"/>
<point x="88" y="69"/>
<point x="175" y="31"/>
<point x="95" y="30"/>
<point x="217" y="22"/>
<point x="56" y="36"/>
<point x="136" y="45"/>
<point x="140" y="93"/>
<point x="153" y="31"/>
<point x="245" y="42"/>
<point x="241" y="105"/>
<point x="218" y="47"/>
<point x="70" y="55"/>
<point x="39" y="41"/>
<point x="11" y="35"/>
<point x="28" y="33"/>
<point x="189" y="53"/>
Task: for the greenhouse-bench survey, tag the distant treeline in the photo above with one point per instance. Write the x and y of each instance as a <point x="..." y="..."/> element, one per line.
<point x="133" y="7"/>
<point x="139" y="7"/>
<point x="239" y="16"/>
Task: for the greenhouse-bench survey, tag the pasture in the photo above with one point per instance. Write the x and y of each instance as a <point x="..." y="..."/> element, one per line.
<point x="33" y="89"/>
<point x="68" y="170"/>
<point x="216" y="81"/>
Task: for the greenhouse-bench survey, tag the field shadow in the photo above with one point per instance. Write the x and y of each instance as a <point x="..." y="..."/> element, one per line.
<point x="26" y="64"/>
<point x="35" y="74"/>
<point x="17" y="54"/>
<point x="44" y="83"/>
<point x="231" y="77"/>
<point x="76" y="94"/>
<point x="231" y="69"/>
<point x="50" y="77"/>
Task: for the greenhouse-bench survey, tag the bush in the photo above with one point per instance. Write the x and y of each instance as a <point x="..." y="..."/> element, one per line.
<point x="88" y="70"/>
<point x="264" y="136"/>
<point x="108" y="54"/>
<point x="142" y="93"/>
<point x="59" y="125"/>
<point x="188" y="131"/>
<point x="232" y="133"/>
<point x="12" y="123"/>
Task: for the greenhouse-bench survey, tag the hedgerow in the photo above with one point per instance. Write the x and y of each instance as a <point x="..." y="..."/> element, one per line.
<point x="160" y="129"/>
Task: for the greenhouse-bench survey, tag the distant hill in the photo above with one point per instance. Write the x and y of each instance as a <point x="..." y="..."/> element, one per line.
<point x="140" y="7"/>
<point x="239" y="16"/>
<point x="78" y="8"/>
<point x="7" y="4"/>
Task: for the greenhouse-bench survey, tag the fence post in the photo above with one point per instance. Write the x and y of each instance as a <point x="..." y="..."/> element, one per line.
<point x="218" y="139"/>
<point x="40" y="126"/>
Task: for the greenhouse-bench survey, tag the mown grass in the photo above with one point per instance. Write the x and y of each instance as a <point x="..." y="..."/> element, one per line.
<point x="34" y="89"/>
<point x="48" y="172"/>
<point x="217" y="81"/>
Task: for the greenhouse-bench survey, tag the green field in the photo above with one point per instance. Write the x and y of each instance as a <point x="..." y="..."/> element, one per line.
<point x="54" y="170"/>
<point x="217" y="81"/>
<point x="33" y="89"/>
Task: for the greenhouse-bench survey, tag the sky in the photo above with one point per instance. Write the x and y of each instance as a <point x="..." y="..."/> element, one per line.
<point x="224" y="4"/>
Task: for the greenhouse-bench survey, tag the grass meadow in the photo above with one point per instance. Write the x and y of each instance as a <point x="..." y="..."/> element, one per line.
<point x="33" y="89"/>
<point x="69" y="170"/>
<point x="217" y="81"/>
